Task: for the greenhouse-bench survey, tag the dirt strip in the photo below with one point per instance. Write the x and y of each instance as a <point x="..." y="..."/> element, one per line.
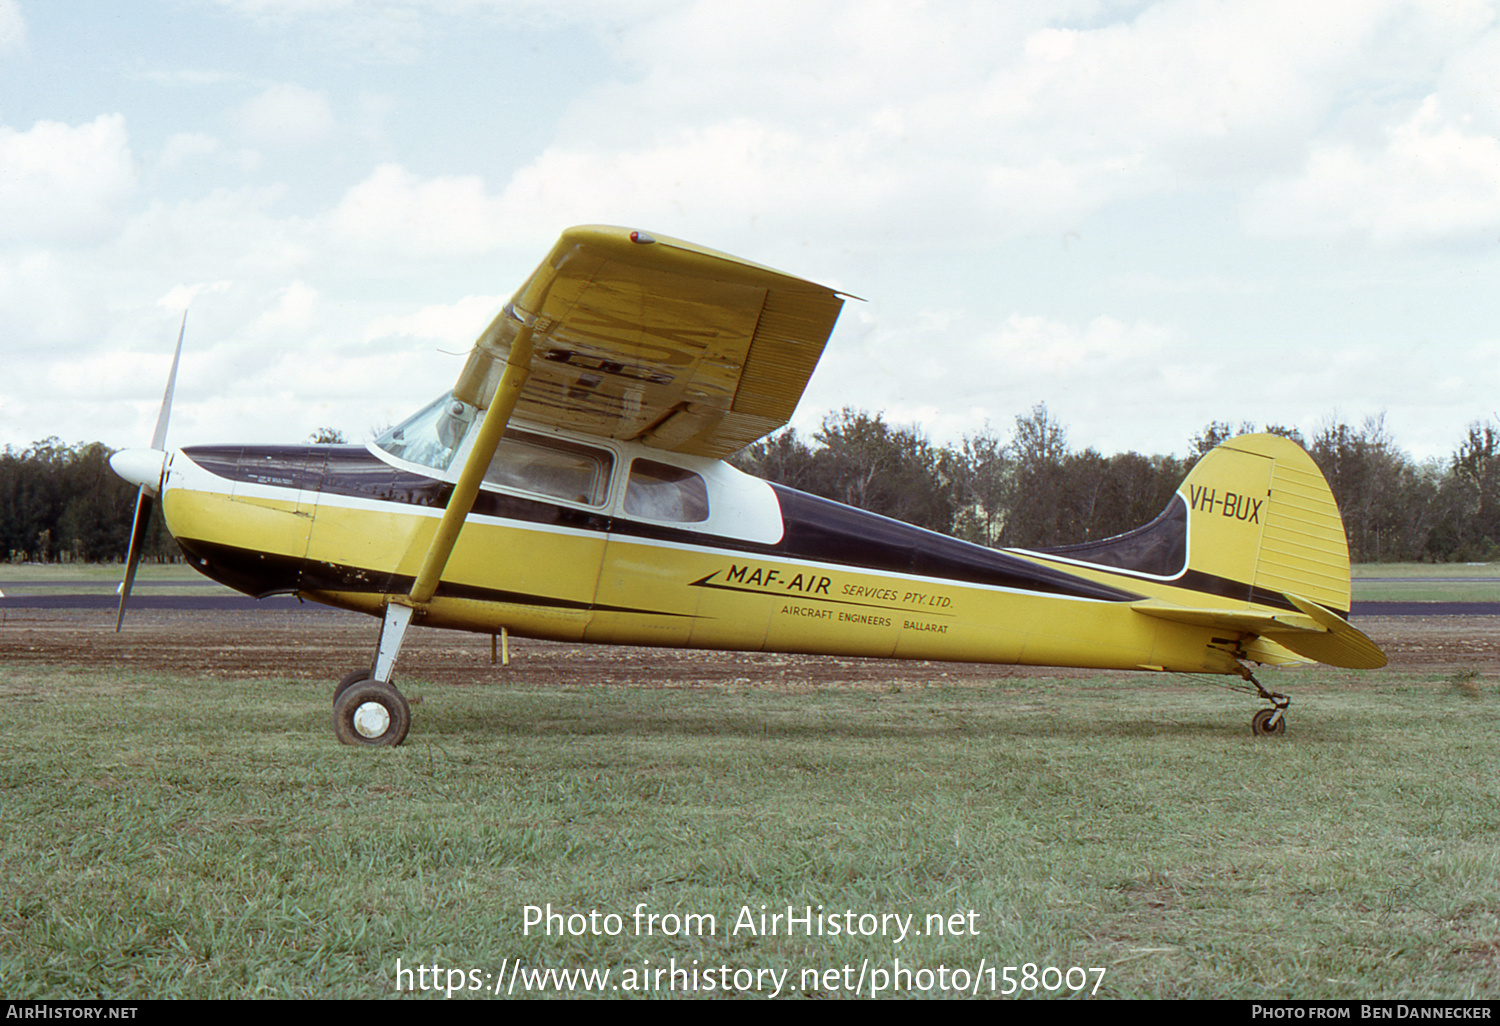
<point x="325" y="645"/>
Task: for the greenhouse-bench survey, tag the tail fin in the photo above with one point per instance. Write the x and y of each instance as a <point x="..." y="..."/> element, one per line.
<point x="1261" y="514"/>
<point x="1266" y="547"/>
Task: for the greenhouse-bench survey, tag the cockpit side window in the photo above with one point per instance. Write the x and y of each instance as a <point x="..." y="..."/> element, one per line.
<point x="432" y="435"/>
<point x="552" y="467"/>
<point x="659" y="491"/>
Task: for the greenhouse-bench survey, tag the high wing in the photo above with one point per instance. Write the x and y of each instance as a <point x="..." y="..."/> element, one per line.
<point x="623" y="335"/>
<point x="655" y="340"/>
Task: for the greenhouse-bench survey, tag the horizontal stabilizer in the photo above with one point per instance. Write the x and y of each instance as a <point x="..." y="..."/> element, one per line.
<point x="1313" y="632"/>
<point x="1342" y="645"/>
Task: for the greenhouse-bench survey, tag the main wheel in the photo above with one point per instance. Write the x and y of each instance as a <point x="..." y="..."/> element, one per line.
<point x="349" y="679"/>
<point x="1261" y="725"/>
<point x="371" y="713"/>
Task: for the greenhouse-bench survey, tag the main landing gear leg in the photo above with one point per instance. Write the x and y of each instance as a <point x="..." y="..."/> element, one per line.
<point x="367" y="708"/>
<point x="1267" y="722"/>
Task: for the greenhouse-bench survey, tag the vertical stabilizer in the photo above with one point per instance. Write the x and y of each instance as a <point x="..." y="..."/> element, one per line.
<point x="1261" y="514"/>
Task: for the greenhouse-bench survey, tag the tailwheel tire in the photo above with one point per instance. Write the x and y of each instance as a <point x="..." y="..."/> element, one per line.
<point x="1261" y="724"/>
<point x="371" y="713"/>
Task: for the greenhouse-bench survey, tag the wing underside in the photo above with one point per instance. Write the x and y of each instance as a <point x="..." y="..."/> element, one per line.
<point x="657" y="341"/>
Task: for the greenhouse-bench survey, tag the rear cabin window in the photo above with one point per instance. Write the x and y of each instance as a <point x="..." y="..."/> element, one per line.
<point x="658" y="491"/>
<point x="551" y="467"/>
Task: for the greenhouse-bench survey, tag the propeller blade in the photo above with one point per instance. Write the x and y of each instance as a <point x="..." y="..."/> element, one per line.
<point x="144" y="502"/>
<point x="158" y="440"/>
<point x="145" y="498"/>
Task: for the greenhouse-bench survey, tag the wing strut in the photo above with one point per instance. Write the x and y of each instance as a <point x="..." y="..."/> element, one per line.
<point x="491" y="430"/>
<point x="399" y="612"/>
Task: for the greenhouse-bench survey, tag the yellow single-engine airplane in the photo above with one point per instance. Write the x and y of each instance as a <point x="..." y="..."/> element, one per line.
<point x="572" y="486"/>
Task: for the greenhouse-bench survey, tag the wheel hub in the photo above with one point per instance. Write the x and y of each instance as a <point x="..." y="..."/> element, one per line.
<point x="372" y="719"/>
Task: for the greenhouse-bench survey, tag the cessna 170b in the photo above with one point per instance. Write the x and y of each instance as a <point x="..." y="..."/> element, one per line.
<point x="572" y="486"/>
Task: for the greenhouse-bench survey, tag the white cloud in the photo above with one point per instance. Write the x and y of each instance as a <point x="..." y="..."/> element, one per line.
<point x="910" y="152"/>
<point x="186" y="148"/>
<point x="108" y="376"/>
<point x="951" y="120"/>
<point x="380" y="33"/>
<point x="289" y="8"/>
<point x="941" y="369"/>
<point x="61" y="184"/>
<point x="181" y="297"/>
<point x="286" y="115"/>
<point x="233" y="234"/>
<point x="711" y="177"/>
<point x="399" y="213"/>
<point x="1470" y="83"/>
<point x="12" y="26"/>
<point x="40" y="305"/>
<point x="455" y="324"/>
<point x="1433" y="180"/>
<point x="292" y="315"/>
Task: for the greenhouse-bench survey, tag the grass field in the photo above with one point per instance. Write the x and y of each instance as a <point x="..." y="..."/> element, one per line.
<point x="104" y="578"/>
<point x="174" y="837"/>
<point x="1427" y="582"/>
<point x="95" y="573"/>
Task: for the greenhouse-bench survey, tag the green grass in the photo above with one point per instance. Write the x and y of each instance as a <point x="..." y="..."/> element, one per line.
<point x="90" y="573"/>
<point x="1427" y="582"/>
<point x="171" y="837"/>
<point x="1434" y="591"/>
<point x="103" y="578"/>
<point x="1430" y="571"/>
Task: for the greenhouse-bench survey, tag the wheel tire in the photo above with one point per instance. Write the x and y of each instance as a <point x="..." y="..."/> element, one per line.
<point x="1260" y="723"/>
<point x="371" y="713"/>
<point x="349" y="679"/>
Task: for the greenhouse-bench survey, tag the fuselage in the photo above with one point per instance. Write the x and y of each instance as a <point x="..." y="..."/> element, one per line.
<point x="582" y="540"/>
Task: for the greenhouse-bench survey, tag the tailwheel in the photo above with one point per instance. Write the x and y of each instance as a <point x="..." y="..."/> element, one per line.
<point x="1268" y="722"/>
<point x="370" y="713"/>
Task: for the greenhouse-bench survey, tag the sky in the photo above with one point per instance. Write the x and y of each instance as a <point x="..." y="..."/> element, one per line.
<point x="1146" y="215"/>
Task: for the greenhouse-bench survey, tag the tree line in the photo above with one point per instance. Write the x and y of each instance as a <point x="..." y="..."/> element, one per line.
<point x="62" y="503"/>
<point x="1028" y="490"/>
<point x="1032" y="490"/>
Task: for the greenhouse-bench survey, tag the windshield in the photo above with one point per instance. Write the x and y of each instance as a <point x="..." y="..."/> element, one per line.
<point x="432" y="435"/>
